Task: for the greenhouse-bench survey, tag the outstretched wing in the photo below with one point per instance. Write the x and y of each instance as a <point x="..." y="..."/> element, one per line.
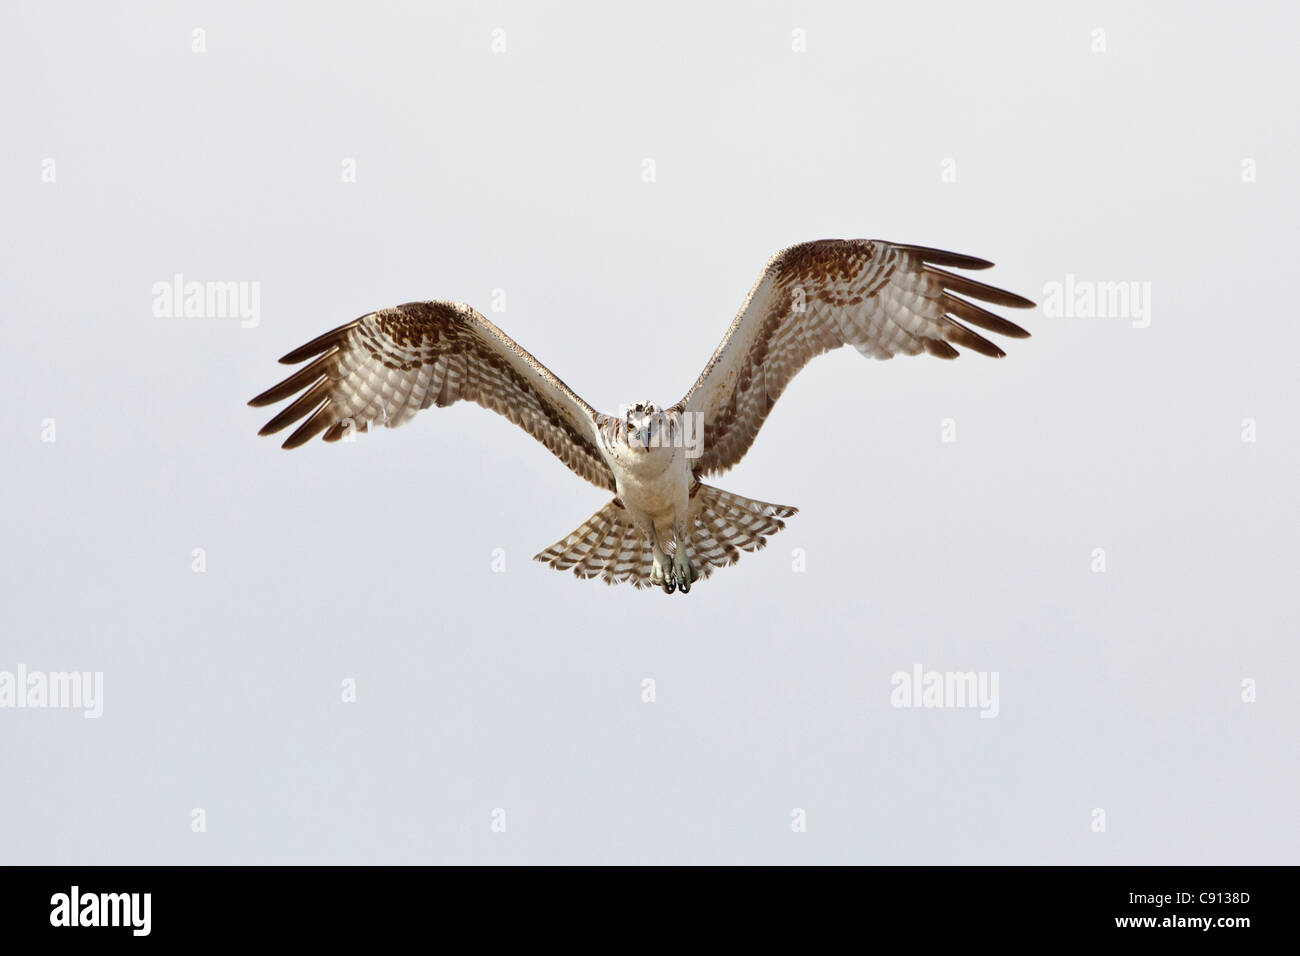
<point x="384" y="367"/>
<point x="882" y="298"/>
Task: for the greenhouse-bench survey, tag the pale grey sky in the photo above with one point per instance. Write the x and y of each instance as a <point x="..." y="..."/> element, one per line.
<point x="1160" y="151"/>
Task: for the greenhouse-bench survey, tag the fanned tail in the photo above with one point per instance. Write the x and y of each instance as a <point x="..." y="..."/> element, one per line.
<point x="608" y="545"/>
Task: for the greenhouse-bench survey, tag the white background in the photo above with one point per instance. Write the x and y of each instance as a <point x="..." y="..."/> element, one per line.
<point x="522" y="171"/>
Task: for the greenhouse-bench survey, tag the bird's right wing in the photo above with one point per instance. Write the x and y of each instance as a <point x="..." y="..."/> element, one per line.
<point x="385" y="366"/>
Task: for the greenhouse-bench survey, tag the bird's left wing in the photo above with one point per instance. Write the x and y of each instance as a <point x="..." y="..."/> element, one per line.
<point x="385" y="366"/>
<point x="883" y="298"/>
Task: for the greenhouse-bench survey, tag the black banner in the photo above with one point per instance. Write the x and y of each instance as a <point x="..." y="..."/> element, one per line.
<point x="236" y="904"/>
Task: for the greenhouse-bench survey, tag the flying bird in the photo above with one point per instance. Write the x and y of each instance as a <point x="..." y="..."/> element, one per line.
<point x="664" y="527"/>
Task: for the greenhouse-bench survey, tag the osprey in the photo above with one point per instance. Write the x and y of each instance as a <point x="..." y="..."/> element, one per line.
<point x="664" y="526"/>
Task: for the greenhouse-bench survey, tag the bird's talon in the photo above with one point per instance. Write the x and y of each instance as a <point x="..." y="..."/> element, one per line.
<point x="682" y="572"/>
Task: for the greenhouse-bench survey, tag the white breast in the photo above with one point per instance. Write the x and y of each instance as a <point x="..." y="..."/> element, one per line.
<point x="655" y="483"/>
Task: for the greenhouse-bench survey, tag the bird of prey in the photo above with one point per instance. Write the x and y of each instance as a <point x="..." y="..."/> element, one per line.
<point x="664" y="526"/>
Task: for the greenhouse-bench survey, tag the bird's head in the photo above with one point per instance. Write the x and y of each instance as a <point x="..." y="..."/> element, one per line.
<point x="644" y="426"/>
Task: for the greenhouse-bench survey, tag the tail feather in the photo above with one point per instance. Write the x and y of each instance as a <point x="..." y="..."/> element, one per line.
<point x="726" y="524"/>
<point x="608" y="545"/>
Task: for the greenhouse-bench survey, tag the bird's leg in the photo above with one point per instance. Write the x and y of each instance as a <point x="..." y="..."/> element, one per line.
<point x="659" y="573"/>
<point x="683" y="571"/>
<point x="666" y="576"/>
